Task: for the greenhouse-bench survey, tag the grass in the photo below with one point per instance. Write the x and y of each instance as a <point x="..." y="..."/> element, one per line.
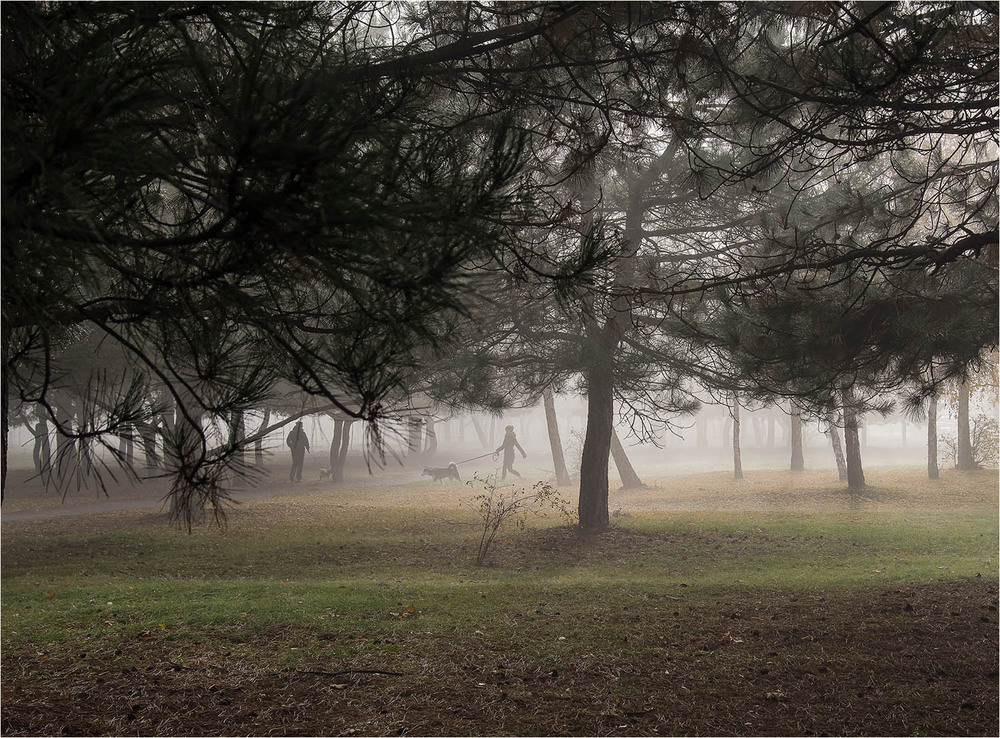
<point x="819" y="591"/>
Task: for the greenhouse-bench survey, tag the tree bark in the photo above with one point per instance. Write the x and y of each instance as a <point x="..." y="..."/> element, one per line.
<point x="238" y="433"/>
<point x="555" y="441"/>
<point x="337" y="473"/>
<point x="838" y="450"/>
<point x="413" y="443"/>
<point x="479" y="433"/>
<point x="147" y="435"/>
<point x="798" y="463"/>
<point x="593" y="504"/>
<point x="932" y="451"/>
<point x="855" y="471"/>
<point x="966" y="461"/>
<point x="737" y="453"/>
<point x="258" y="443"/>
<point x="41" y="452"/>
<point x="430" y="441"/>
<point x="630" y="480"/>
<point x="338" y="432"/>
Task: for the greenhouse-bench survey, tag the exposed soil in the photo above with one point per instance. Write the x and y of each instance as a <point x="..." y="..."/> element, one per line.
<point x="894" y="661"/>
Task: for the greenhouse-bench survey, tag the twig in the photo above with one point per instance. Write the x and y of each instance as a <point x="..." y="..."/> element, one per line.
<point x="350" y="671"/>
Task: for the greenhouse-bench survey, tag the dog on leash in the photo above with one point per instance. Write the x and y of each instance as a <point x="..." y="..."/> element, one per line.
<point x="324" y="473"/>
<point x="440" y="473"/>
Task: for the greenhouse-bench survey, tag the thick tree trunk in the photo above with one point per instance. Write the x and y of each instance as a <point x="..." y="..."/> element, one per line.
<point x="258" y="444"/>
<point x="555" y="442"/>
<point x="966" y="461"/>
<point x="838" y="450"/>
<point x="630" y="480"/>
<point x="338" y="432"/>
<point x="798" y="463"/>
<point x="855" y="471"/>
<point x="593" y="504"/>
<point x="413" y="442"/>
<point x="4" y="391"/>
<point x="337" y="470"/>
<point x="238" y="434"/>
<point x="737" y="452"/>
<point x="932" y="451"/>
<point x="430" y="441"/>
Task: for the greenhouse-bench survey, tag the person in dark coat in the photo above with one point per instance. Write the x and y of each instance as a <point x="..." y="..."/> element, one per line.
<point x="298" y="442"/>
<point x="508" y="446"/>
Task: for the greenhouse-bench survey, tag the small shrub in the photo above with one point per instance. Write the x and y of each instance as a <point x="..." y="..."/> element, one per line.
<point x="506" y="508"/>
<point x="984" y="434"/>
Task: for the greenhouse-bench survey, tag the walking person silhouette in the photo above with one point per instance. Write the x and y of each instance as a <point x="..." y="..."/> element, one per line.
<point x="508" y="446"/>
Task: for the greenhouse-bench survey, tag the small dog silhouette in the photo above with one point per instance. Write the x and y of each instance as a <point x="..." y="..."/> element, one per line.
<point x="324" y="473"/>
<point x="439" y="473"/>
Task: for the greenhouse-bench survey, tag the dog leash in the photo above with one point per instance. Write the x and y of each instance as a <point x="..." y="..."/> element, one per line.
<point x="491" y="453"/>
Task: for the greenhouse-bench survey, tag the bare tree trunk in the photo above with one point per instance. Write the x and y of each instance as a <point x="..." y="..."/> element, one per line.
<point x="630" y="480"/>
<point x="555" y="442"/>
<point x="338" y="432"/>
<point x="855" y="471"/>
<point x="593" y="504"/>
<point x="337" y="473"/>
<point x="770" y="428"/>
<point x="258" y="444"/>
<point x="966" y="461"/>
<point x="798" y="463"/>
<point x="41" y="451"/>
<point x="147" y="436"/>
<point x="932" y="452"/>
<point x="838" y="450"/>
<point x="126" y="447"/>
<point x="430" y="441"/>
<point x="238" y="434"/>
<point x="479" y="433"/>
<point x="737" y="453"/>
<point x="413" y="443"/>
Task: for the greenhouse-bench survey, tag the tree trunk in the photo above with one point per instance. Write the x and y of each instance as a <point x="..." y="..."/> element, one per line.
<point x="798" y="463"/>
<point x="593" y="504"/>
<point x="238" y="433"/>
<point x="126" y="447"/>
<point x="413" y="440"/>
<point x="430" y="441"/>
<point x="737" y="453"/>
<point x="258" y="444"/>
<point x="770" y="429"/>
<point x="838" y="450"/>
<point x="66" y="449"/>
<point x="966" y="461"/>
<point x="630" y="480"/>
<point x="932" y="452"/>
<point x="479" y="433"/>
<point x="147" y="435"/>
<point x="4" y="391"/>
<point x="41" y="452"/>
<point x="855" y="472"/>
<point x="555" y="442"/>
<point x="337" y="473"/>
<point x="338" y="432"/>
